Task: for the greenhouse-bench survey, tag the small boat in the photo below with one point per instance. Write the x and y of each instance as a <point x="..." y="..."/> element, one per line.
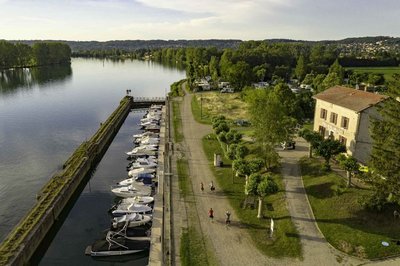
<point x="123" y="208"/>
<point x="137" y="171"/>
<point x="142" y="148"/>
<point x="130" y="191"/>
<point x="134" y="180"/>
<point x="143" y="159"/>
<point x="146" y="134"/>
<point x="138" y="200"/>
<point x="145" y="165"/>
<point x="133" y="220"/>
<point x="111" y="246"/>
<point x="147" y="141"/>
<point x="141" y="154"/>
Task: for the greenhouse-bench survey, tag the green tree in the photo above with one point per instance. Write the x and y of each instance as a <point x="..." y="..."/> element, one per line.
<point x="301" y="68"/>
<point x="308" y="79"/>
<point x="312" y="137"/>
<point x="239" y="75"/>
<point x="328" y="148"/>
<point x="261" y="187"/>
<point x="338" y="69"/>
<point x="385" y="155"/>
<point x="330" y="80"/>
<point x="271" y="122"/>
<point x="350" y="164"/>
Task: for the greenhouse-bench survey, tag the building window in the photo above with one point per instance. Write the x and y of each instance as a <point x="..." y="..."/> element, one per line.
<point x="333" y="118"/>
<point x="342" y="140"/>
<point x="345" y="122"/>
<point x="323" y="113"/>
<point x="321" y="130"/>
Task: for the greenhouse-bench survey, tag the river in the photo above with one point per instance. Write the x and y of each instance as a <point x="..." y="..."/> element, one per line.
<point x="45" y="113"/>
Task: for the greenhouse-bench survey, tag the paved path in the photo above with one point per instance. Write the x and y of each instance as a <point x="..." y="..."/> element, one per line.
<point x="316" y="250"/>
<point x="232" y="245"/>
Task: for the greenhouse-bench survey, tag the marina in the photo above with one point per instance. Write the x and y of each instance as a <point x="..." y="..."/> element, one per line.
<point x="132" y="121"/>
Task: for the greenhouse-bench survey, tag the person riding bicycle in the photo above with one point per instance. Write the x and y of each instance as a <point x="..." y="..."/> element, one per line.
<point x="227" y="217"/>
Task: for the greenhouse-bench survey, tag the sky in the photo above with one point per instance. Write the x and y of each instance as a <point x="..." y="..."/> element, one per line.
<point x="103" y="20"/>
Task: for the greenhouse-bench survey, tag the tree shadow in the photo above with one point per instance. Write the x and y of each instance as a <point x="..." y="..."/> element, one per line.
<point x="321" y="191"/>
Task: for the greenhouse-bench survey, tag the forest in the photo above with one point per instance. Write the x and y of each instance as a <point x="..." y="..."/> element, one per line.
<point x="15" y="55"/>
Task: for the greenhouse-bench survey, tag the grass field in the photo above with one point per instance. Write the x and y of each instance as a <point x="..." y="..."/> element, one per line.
<point x="286" y="241"/>
<point x="342" y="220"/>
<point x="205" y="105"/>
<point x="386" y="71"/>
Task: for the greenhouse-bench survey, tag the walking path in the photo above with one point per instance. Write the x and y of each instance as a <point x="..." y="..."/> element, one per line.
<point x="232" y="245"/>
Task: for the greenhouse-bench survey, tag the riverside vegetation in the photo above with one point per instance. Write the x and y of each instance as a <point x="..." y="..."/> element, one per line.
<point x="39" y="54"/>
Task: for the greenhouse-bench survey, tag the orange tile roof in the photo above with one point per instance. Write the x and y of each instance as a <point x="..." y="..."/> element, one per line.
<point x="349" y="98"/>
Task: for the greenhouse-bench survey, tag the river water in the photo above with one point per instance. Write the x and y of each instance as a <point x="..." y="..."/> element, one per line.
<point x="45" y="113"/>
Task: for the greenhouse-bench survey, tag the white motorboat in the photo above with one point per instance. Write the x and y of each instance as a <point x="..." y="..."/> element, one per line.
<point x="147" y="141"/>
<point x="131" y="191"/>
<point x="146" y="134"/>
<point x="133" y="220"/>
<point x="135" y="180"/>
<point x="143" y="148"/>
<point x="126" y="208"/>
<point x="136" y="165"/>
<point x="138" y="200"/>
<point x="138" y="171"/>
<point x="117" y="246"/>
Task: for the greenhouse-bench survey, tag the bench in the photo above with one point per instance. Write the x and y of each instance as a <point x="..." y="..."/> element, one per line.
<point x="249" y="202"/>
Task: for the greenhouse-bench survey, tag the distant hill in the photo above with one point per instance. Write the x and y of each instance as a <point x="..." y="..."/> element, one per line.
<point x="132" y="45"/>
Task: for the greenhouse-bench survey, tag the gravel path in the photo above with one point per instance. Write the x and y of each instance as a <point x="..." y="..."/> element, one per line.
<point x="231" y="245"/>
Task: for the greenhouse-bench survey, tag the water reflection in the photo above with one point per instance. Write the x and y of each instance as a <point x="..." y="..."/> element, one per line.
<point x="13" y="79"/>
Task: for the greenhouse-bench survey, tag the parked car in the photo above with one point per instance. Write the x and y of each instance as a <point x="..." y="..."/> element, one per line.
<point x="226" y="90"/>
<point x="288" y="145"/>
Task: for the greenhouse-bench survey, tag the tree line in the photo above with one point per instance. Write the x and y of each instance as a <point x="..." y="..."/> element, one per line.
<point x="39" y="54"/>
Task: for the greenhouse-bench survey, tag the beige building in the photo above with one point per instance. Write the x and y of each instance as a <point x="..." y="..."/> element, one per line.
<point x="345" y="114"/>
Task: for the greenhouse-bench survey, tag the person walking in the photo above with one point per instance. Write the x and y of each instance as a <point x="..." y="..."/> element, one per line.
<point x="212" y="188"/>
<point x="211" y="214"/>
<point x="202" y="186"/>
<point x="227" y="218"/>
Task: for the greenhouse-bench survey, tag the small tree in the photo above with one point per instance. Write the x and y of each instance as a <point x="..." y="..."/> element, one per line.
<point x="312" y="137"/>
<point x="245" y="168"/>
<point x="328" y="148"/>
<point x="261" y="186"/>
<point x="241" y="151"/>
<point x="350" y="164"/>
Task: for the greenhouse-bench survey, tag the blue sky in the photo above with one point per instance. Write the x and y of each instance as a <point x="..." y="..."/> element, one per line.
<point x="202" y="19"/>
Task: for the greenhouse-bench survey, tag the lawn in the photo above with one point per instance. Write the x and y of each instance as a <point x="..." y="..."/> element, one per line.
<point x="285" y="242"/>
<point x="342" y="220"/>
<point x="205" y="105"/>
<point x="386" y="71"/>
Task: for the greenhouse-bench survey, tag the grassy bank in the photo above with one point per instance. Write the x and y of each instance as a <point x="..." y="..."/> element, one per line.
<point x="177" y="121"/>
<point x="286" y="241"/>
<point x="342" y="220"/>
